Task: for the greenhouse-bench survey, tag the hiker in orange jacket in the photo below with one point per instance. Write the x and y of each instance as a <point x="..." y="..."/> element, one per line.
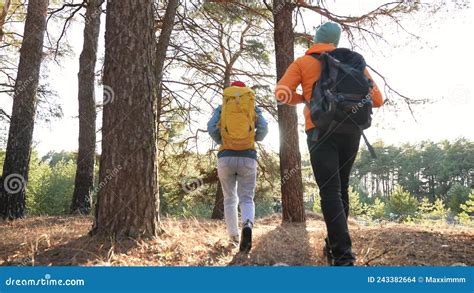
<point x="331" y="153"/>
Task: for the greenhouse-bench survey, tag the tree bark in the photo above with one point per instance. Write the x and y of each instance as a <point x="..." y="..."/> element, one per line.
<point x="218" y="211"/>
<point x="128" y="201"/>
<point x="84" y="182"/>
<point x="161" y="48"/>
<point x="290" y="158"/>
<point x="16" y="165"/>
<point x="3" y="17"/>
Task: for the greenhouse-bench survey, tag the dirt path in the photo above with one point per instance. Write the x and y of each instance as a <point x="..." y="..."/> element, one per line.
<point x="64" y="241"/>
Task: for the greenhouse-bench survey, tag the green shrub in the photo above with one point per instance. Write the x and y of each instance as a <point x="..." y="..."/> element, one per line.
<point x="457" y="195"/>
<point x="467" y="211"/>
<point x="264" y="206"/>
<point x="197" y="209"/>
<point x="317" y="205"/>
<point x="432" y="212"/>
<point x="401" y="204"/>
<point x="356" y="207"/>
<point x="38" y="177"/>
<point x="377" y="210"/>
<point x="50" y="189"/>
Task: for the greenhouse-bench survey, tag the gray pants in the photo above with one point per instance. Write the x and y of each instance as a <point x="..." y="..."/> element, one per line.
<point x="238" y="178"/>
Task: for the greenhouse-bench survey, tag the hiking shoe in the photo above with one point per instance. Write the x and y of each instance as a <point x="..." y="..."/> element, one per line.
<point x="332" y="261"/>
<point x="344" y="263"/>
<point x="246" y="240"/>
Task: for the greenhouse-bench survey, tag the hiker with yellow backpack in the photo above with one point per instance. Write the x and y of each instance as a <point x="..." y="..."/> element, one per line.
<point x="236" y="125"/>
<point x="339" y="95"/>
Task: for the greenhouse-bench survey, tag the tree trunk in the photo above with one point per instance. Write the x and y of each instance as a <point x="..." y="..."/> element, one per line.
<point x="128" y="202"/>
<point x="84" y="182"/>
<point x="161" y="48"/>
<point x="3" y="17"/>
<point x="227" y="74"/>
<point x="290" y="158"/>
<point x="218" y="211"/>
<point x="16" y="165"/>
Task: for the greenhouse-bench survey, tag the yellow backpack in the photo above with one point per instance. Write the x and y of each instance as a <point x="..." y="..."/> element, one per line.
<point x="238" y="117"/>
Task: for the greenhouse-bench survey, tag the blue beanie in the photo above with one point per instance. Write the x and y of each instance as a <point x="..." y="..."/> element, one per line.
<point x="328" y="32"/>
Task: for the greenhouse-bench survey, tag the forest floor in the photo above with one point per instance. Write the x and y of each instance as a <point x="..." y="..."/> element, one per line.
<point x="43" y="241"/>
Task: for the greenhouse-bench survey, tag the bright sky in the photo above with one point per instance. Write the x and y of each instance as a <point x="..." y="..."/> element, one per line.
<point x="432" y="67"/>
<point x="437" y="67"/>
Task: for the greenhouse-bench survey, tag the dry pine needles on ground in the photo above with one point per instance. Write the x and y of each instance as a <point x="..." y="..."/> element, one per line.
<point x="43" y="241"/>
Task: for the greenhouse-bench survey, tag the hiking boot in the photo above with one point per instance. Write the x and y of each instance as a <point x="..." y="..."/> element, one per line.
<point x="332" y="261"/>
<point x="344" y="263"/>
<point x="246" y="240"/>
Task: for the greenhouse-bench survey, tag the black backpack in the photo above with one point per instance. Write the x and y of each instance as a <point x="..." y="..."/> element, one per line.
<point x="340" y="99"/>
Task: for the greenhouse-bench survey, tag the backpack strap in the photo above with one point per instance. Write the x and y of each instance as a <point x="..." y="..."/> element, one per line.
<point x="369" y="146"/>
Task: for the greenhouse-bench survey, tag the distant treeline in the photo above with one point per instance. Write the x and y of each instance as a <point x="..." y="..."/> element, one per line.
<point x="402" y="180"/>
<point x="425" y="169"/>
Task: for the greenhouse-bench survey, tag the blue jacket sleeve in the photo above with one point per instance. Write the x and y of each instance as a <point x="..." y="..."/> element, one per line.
<point x="261" y="125"/>
<point x="215" y="132"/>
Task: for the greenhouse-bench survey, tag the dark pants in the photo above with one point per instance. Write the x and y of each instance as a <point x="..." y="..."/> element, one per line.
<point x="332" y="157"/>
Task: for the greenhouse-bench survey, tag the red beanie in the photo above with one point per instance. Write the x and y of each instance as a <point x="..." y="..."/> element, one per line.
<point x="237" y="83"/>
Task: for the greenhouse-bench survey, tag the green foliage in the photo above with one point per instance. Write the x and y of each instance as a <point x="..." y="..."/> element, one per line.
<point x="432" y="212"/>
<point x="51" y="180"/>
<point x="402" y="204"/>
<point x="317" y="206"/>
<point x="53" y="158"/>
<point x="439" y="211"/>
<point x="377" y="210"/>
<point x="38" y="173"/>
<point x="424" y="169"/>
<point x="264" y="206"/>
<point x="50" y="187"/>
<point x="256" y="50"/>
<point x="2" y="159"/>
<point x="356" y="207"/>
<point x="466" y="216"/>
<point x="457" y="195"/>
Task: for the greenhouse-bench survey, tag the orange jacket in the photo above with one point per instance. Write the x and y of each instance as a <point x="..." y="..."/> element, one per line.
<point x="305" y="71"/>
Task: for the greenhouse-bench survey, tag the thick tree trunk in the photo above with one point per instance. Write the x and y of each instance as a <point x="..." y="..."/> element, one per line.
<point x="84" y="182"/>
<point x="218" y="211"/>
<point x="290" y="158"/>
<point x="15" y="169"/>
<point x="128" y="201"/>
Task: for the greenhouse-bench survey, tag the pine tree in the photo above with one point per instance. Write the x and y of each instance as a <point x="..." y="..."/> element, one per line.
<point x="84" y="181"/>
<point x="128" y="204"/>
<point x="16" y="165"/>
